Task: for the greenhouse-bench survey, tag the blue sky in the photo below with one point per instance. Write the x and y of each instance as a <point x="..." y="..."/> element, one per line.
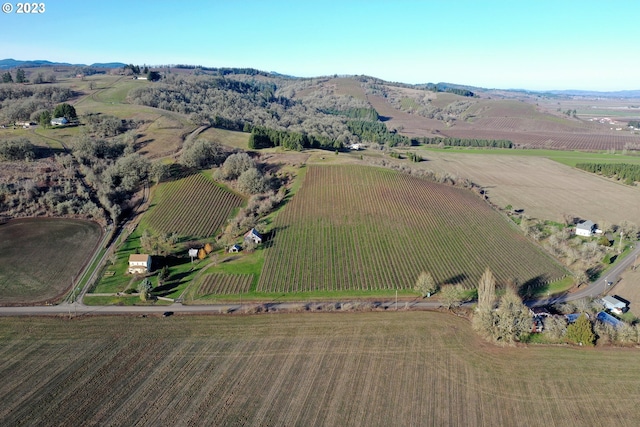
<point x="530" y="44"/>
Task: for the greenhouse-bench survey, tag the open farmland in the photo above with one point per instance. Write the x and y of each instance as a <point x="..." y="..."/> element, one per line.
<point x="192" y="207"/>
<point x="543" y="188"/>
<point x="40" y="257"/>
<point x="364" y="228"/>
<point x="364" y="369"/>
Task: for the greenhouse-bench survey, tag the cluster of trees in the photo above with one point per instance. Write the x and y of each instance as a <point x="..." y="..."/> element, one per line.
<point x="202" y="154"/>
<point x="262" y="137"/>
<point x="459" y="142"/>
<point x="249" y="217"/>
<point x="113" y="170"/>
<point x="22" y="103"/>
<point x="634" y="123"/>
<point x="504" y="320"/>
<point x="377" y="132"/>
<point x="104" y="125"/>
<point x="626" y="172"/>
<point x="20" y="149"/>
<point x="21" y="77"/>
<point x="58" y="190"/>
<point x="162" y="244"/>
<point x="234" y="101"/>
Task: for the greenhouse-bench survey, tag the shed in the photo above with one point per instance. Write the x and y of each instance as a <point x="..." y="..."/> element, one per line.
<point x="254" y="235"/>
<point x="235" y="248"/>
<point x="139" y="263"/>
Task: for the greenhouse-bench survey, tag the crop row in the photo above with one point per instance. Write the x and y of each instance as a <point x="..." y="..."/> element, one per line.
<point x="225" y="284"/>
<point x="194" y="206"/>
<point x="364" y="228"/>
<point x="549" y="139"/>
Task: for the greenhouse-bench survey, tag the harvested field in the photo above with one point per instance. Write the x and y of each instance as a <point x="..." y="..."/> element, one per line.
<point x="192" y="207"/>
<point x="550" y="140"/>
<point x="629" y="289"/>
<point x="364" y="369"/>
<point x="543" y="188"/>
<point x="364" y="228"/>
<point x="39" y="257"/>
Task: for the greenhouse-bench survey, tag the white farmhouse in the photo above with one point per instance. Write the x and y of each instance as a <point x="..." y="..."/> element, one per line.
<point x="587" y="229"/>
<point x="139" y="263"/>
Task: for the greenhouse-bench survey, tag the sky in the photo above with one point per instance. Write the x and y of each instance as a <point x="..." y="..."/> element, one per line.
<point x="516" y="44"/>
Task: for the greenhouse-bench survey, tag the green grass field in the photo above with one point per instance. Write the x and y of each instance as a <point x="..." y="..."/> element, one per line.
<point x="355" y="369"/>
<point x="569" y="158"/>
<point x="362" y="228"/>
<point x="40" y="257"/>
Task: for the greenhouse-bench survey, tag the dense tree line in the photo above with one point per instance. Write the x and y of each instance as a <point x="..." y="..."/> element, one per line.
<point x="459" y="142"/>
<point x="634" y="123"/>
<point x="364" y="113"/>
<point x="262" y="137"/>
<point x="626" y="172"/>
<point x="377" y="132"/>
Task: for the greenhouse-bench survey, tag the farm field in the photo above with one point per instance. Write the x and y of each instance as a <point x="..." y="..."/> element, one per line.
<point x="40" y="257"/>
<point x="193" y="207"/>
<point x="363" y="228"/>
<point x="629" y="289"/>
<point x="543" y="188"/>
<point x="404" y="368"/>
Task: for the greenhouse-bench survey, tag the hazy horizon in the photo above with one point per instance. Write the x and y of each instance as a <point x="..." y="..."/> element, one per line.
<point x="538" y="46"/>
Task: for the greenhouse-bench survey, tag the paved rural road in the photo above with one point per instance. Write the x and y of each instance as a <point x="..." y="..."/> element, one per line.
<point x="594" y="289"/>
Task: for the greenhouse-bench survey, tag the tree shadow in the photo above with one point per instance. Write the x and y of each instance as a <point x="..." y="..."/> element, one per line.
<point x="384" y="118"/>
<point x="171" y="284"/>
<point x="458" y="278"/>
<point x="528" y="288"/>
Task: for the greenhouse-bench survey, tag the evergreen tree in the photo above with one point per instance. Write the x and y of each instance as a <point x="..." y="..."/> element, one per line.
<point x="6" y="78"/>
<point x="20" y="76"/>
<point x="581" y="331"/>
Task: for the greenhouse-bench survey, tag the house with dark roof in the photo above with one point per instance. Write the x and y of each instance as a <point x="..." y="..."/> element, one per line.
<point x="235" y="248"/>
<point x="254" y="236"/>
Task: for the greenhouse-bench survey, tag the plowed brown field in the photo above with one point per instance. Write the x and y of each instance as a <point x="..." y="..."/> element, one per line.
<point x="543" y="188"/>
<point x="364" y="369"/>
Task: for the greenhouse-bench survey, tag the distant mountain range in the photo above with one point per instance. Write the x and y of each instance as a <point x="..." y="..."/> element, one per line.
<point x="13" y="63"/>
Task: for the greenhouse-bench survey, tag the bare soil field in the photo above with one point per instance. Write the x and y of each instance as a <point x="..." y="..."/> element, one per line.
<point x="39" y="257"/>
<point x="355" y="369"/>
<point x="543" y="188"/>
<point x="629" y="289"/>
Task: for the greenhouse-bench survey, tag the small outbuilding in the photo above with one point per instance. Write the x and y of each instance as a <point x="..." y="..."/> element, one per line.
<point x="235" y="249"/>
<point x="139" y="263"/>
<point x="253" y="235"/>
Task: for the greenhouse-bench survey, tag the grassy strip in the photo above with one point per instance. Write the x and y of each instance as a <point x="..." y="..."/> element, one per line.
<point x="569" y="158"/>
